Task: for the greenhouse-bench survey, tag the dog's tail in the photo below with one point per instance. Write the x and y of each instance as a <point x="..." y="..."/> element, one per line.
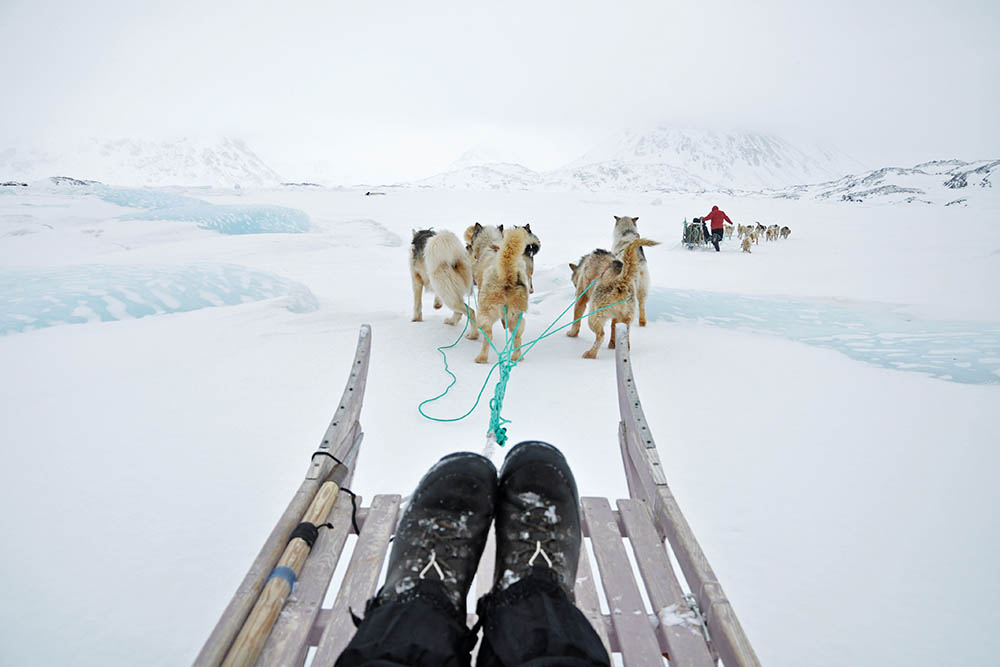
<point x="449" y="269"/>
<point x="510" y="261"/>
<point x="630" y="261"/>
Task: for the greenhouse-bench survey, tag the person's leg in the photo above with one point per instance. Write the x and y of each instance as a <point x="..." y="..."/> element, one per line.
<point x="529" y="618"/>
<point x="417" y="619"/>
<point x="716" y="237"/>
<point x="420" y="628"/>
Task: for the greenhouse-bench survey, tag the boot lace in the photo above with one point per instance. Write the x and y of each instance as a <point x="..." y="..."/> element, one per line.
<point x="535" y="527"/>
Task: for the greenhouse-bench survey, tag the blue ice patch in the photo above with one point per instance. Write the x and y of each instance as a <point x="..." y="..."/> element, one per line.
<point x="966" y="352"/>
<point x="223" y="218"/>
<point x="91" y="293"/>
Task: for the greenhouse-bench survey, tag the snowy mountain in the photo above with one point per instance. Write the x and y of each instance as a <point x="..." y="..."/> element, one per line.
<point x="191" y="162"/>
<point x="672" y="158"/>
<point x="662" y="158"/>
<point x="947" y="182"/>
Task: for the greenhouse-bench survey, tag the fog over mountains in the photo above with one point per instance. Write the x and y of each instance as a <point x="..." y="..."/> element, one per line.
<point x="659" y="159"/>
<point x="223" y="163"/>
<point x="664" y="158"/>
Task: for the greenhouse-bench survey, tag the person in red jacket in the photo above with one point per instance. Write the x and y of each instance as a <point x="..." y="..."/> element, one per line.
<point x="716" y="217"/>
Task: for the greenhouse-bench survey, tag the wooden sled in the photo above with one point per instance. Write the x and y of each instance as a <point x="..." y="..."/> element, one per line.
<point x="694" y="629"/>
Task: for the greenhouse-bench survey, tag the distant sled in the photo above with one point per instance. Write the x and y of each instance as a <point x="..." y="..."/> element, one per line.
<point x="696" y="235"/>
<point x="265" y="625"/>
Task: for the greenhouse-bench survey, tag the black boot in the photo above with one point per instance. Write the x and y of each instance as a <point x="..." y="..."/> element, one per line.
<point x="443" y="531"/>
<point x="537" y="517"/>
<point x="529" y="617"/>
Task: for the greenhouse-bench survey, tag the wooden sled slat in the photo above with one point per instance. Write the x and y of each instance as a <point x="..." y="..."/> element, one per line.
<point x="587" y="600"/>
<point x="288" y="642"/>
<point x="341" y="441"/>
<point x="636" y="640"/>
<point x="646" y="520"/>
<point x="360" y="579"/>
<point x="646" y="481"/>
<point x="683" y="642"/>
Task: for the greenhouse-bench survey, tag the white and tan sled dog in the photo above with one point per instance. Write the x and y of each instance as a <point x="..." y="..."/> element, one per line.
<point x="439" y="262"/>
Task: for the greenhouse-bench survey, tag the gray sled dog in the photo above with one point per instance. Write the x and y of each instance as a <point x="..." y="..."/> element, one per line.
<point x="483" y="243"/>
<point x="504" y="286"/>
<point x="617" y="283"/>
<point x="626" y="231"/>
<point x="439" y="262"/>
<point x="590" y="268"/>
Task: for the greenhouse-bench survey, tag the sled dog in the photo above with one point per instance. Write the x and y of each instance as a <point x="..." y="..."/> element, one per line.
<point x="626" y="232"/>
<point x="617" y="283"/>
<point x="785" y="232"/>
<point x="589" y="269"/>
<point x="504" y="287"/>
<point x="439" y="262"/>
<point x="483" y="242"/>
<point x="746" y="244"/>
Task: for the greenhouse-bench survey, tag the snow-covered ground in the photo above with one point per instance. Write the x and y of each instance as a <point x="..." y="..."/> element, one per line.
<point x="825" y="407"/>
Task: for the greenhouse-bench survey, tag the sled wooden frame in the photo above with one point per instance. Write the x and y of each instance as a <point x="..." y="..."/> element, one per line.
<point x="649" y="520"/>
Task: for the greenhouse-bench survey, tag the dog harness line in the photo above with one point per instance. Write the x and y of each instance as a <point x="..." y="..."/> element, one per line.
<point x="505" y="364"/>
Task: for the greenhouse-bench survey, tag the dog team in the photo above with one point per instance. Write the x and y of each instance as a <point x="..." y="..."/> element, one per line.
<point x="501" y="262"/>
<point x="752" y="233"/>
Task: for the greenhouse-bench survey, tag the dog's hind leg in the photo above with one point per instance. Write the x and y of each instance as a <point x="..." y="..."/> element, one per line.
<point x="455" y="316"/>
<point x="484" y="352"/>
<point x="418" y="298"/>
<point x="597" y="326"/>
<point x="611" y="340"/>
<point x="473" y="328"/>
<point x="640" y="294"/>
<point x="578" y="310"/>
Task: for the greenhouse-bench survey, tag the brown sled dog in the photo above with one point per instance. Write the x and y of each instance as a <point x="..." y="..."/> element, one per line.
<point x="504" y="286"/>
<point x="439" y="262"/>
<point x="483" y="242"/>
<point x="617" y="283"/>
<point x="589" y="269"/>
<point x="627" y="231"/>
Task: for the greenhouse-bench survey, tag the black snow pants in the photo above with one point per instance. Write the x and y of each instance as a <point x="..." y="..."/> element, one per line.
<point x="716" y="238"/>
<point x="530" y="624"/>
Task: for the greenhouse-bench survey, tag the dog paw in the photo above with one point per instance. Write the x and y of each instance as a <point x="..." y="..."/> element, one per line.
<point x="482" y="359"/>
<point x="572" y="334"/>
<point x="417" y="318"/>
<point x="642" y="321"/>
<point x="437" y="304"/>
<point x="472" y="335"/>
<point x="590" y="354"/>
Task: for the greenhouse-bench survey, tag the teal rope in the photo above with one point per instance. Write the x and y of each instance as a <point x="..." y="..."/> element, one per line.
<point x="505" y="364"/>
<point x="454" y="379"/>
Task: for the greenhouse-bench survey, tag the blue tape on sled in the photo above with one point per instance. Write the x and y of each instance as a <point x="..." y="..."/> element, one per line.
<point x="286" y="573"/>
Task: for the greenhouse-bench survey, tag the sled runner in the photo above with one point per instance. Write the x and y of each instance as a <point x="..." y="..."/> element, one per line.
<point x="277" y="616"/>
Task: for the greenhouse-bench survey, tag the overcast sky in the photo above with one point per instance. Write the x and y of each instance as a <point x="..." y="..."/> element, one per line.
<point x="388" y="90"/>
